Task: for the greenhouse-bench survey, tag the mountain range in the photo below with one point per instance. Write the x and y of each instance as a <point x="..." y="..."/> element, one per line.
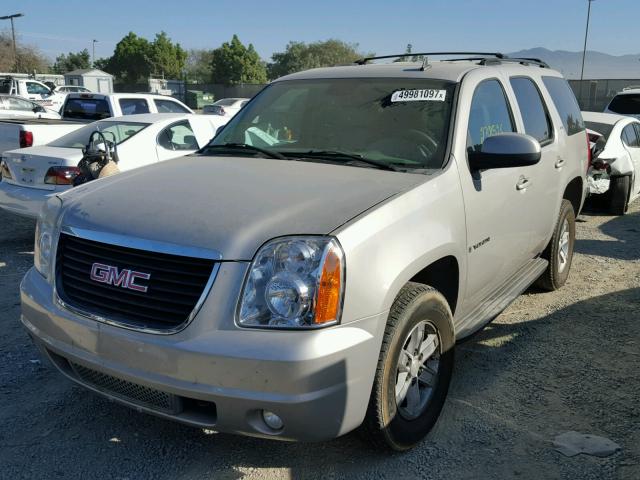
<point x="597" y="65"/>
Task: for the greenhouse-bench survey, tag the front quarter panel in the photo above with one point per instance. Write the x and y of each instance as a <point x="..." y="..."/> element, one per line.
<point x="386" y="247"/>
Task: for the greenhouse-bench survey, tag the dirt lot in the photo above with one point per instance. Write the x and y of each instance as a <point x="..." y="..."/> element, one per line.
<point x="553" y="362"/>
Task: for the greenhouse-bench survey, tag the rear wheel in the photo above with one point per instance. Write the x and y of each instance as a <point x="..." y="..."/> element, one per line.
<point x="619" y="193"/>
<point x="559" y="252"/>
<point x="414" y="369"/>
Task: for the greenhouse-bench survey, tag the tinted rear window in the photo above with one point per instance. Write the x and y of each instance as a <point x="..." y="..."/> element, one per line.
<point x="86" y="108"/>
<point x="5" y="86"/>
<point x="534" y="112"/>
<point x="602" y="128"/>
<point x="626" y="104"/>
<point x="566" y="104"/>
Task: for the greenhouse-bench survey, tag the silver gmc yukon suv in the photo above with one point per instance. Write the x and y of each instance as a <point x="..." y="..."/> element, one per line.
<point x="311" y="270"/>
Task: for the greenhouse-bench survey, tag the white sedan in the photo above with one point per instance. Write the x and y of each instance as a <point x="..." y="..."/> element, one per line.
<point x="31" y="175"/>
<point x="227" y="107"/>
<point x="615" y="166"/>
<point x="12" y="106"/>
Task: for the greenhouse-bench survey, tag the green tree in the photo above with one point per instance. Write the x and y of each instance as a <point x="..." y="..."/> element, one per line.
<point x="166" y="58"/>
<point x="102" y="64"/>
<point x="233" y="63"/>
<point x="408" y="57"/>
<point x="198" y="66"/>
<point x="301" y="56"/>
<point x="72" y="61"/>
<point x="131" y="60"/>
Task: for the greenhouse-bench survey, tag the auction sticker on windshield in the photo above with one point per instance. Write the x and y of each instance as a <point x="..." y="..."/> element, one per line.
<point x="424" y="95"/>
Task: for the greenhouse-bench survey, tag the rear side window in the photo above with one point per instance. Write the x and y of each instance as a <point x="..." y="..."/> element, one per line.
<point x="625" y="104"/>
<point x="5" y="86"/>
<point x="490" y="114"/>
<point x="534" y="112"/>
<point x="86" y="108"/>
<point x="630" y="137"/>
<point x="566" y="104"/>
<point x="167" y="106"/>
<point x="179" y="136"/>
<point x="133" y="106"/>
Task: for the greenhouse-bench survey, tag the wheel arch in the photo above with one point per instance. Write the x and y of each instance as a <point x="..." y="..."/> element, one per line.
<point x="443" y="275"/>
<point x="574" y="193"/>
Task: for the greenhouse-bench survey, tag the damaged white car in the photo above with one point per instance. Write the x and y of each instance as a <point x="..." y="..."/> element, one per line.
<point x="615" y="166"/>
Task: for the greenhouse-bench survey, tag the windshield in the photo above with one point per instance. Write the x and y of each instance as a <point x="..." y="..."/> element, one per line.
<point x="120" y="131"/>
<point x="400" y="122"/>
<point x="626" y="104"/>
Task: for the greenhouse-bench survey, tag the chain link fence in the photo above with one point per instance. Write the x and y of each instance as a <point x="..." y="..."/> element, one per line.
<point x="595" y="95"/>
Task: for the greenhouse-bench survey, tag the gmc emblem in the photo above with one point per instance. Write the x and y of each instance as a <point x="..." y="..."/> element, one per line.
<point x="118" y="278"/>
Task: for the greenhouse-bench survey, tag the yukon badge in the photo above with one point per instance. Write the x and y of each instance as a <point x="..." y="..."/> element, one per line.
<point x="118" y="278"/>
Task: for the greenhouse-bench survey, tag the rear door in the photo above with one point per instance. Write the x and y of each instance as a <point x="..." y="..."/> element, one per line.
<point x="631" y="141"/>
<point x="545" y="177"/>
<point x="176" y="140"/>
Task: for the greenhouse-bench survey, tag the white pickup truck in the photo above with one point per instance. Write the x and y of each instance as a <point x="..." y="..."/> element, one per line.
<point x="81" y="108"/>
<point x="32" y="90"/>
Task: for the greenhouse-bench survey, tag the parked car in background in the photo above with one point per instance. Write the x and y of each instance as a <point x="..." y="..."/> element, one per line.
<point x="312" y="269"/>
<point x="615" y="165"/>
<point x="32" y="90"/>
<point x="72" y="89"/>
<point x="626" y="102"/>
<point x="227" y="107"/>
<point x="31" y="175"/>
<point x="82" y="108"/>
<point x="13" y="106"/>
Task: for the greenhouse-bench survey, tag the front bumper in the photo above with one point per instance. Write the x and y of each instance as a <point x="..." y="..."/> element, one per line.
<point x="24" y="201"/>
<point x="318" y="382"/>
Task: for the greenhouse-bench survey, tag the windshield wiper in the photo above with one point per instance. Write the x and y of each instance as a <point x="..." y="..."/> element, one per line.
<point x="337" y="155"/>
<point x="244" y="146"/>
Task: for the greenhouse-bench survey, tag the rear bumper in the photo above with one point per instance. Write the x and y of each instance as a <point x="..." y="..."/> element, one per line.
<point x="318" y="382"/>
<point x="24" y="201"/>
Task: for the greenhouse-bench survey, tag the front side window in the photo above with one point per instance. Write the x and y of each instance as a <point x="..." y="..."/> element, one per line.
<point x="37" y="89"/>
<point x="490" y="114"/>
<point x="566" y="104"/>
<point x="532" y="108"/>
<point x="168" y="106"/>
<point x="399" y="122"/>
<point x="114" y="131"/>
<point x="179" y="136"/>
<point x="133" y="106"/>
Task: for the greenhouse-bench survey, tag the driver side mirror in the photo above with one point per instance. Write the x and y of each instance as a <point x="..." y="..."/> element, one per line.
<point x="506" y="150"/>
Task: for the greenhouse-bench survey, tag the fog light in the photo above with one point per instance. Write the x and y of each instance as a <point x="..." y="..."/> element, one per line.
<point x="272" y="420"/>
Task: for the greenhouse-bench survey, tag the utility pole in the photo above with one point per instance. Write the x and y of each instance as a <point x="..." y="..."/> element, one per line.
<point x="584" y="49"/>
<point x="13" y="35"/>
<point x="93" y="57"/>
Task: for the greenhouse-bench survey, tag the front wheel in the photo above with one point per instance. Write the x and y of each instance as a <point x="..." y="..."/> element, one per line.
<point x="414" y="369"/>
<point x="559" y="252"/>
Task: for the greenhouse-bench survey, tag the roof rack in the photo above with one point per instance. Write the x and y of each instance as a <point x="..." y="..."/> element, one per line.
<point x="485" y="58"/>
<point x="364" y="61"/>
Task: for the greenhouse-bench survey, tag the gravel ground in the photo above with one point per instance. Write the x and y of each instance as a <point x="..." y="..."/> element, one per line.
<point x="552" y="362"/>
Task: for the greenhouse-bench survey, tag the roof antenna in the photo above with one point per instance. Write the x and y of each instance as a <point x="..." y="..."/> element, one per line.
<point x="425" y="64"/>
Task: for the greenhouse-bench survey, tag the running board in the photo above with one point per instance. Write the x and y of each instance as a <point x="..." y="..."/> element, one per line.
<point x="501" y="298"/>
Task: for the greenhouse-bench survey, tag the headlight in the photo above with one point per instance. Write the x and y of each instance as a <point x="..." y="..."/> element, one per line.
<point x="294" y="282"/>
<point x="45" y="227"/>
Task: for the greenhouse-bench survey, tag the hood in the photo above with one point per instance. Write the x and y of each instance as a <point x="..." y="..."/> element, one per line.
<point x="229" y="204"/>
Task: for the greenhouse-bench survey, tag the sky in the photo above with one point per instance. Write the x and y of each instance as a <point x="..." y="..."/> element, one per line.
<point x="383" y="27"/>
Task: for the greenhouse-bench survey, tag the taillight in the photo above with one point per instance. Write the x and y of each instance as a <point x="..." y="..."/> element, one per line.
<point x="4" y="170"/>
<point x="26" y="139"/>
<point x="61" y="175"/>
<point x="588" y="152"/>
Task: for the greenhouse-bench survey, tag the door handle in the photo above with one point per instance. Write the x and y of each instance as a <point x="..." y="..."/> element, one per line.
<point x="559" y="162"/>
<point x="523" y="183"/>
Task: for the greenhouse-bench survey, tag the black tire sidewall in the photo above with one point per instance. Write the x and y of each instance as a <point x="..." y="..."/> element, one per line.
<point x="566" y="212"/>
<point x="402" y="434"/>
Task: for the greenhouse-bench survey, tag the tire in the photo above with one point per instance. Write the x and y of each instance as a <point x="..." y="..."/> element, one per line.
<point x="557" y="272"/>
<point x="619" y="194"/>
<point x="399" y="427"/>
